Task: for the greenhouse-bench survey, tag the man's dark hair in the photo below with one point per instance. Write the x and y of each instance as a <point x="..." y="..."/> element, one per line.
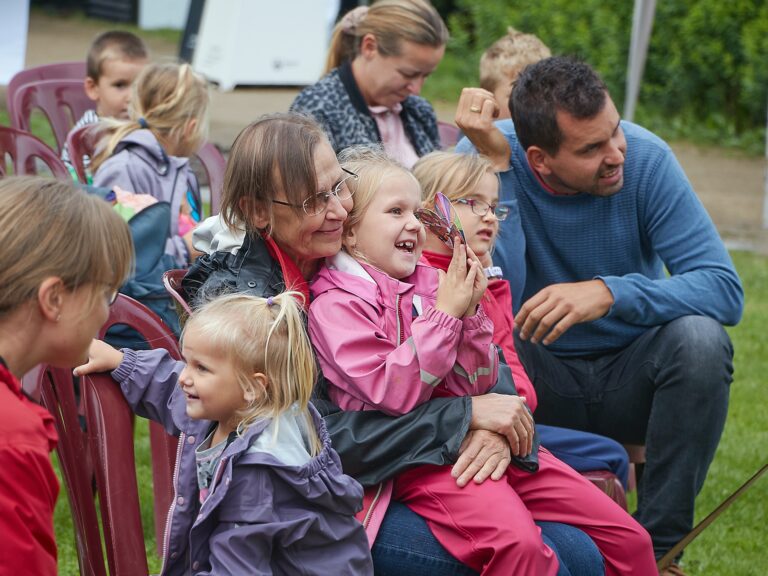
<point x="557" y="83"/>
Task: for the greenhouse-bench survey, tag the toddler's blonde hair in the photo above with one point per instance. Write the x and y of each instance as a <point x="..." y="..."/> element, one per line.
<point x="265" y="335"/>
<point x="455" y="175"/>
<point x="503" y="61"/>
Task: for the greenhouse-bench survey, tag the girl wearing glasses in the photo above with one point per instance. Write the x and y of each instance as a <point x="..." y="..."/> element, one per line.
<point x="472" y="186"/>
<point x="390" y="335"/>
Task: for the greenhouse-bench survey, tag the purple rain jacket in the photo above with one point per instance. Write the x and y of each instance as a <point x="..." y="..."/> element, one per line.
<point x="261" y="516"/>
<point x="139" y="164"/>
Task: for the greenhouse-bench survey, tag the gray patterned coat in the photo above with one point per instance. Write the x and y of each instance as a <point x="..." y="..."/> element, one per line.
<point x="336" y="103"/>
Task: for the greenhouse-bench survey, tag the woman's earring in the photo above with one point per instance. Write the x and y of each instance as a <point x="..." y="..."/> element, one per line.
<point x="58" y="317"/>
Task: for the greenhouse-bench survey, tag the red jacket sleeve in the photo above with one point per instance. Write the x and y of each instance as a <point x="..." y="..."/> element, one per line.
<point x="28" y="491"/>
<point x="498" y="305"/>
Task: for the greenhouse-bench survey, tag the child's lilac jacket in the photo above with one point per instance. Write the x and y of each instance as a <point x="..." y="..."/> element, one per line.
<point x="261" y="516"/>
<point x="140" y="164"/>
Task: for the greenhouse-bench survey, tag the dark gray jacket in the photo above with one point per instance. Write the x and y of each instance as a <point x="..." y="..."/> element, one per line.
<point x="336" y="103"/>
<point x="261" y="516"/>
<point x="373" y="446"/>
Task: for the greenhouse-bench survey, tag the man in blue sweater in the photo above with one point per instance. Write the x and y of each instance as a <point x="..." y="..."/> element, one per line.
<point x="613" y="343"/>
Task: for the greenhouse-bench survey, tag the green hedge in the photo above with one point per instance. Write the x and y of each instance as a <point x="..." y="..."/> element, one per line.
<point x="706" y="76"/>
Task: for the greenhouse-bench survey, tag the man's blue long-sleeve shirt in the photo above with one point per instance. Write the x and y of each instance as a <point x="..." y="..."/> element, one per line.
<point x="627" y="239"/>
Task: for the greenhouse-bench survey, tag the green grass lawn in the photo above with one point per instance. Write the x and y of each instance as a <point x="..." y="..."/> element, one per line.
<point x="733" y="546"/>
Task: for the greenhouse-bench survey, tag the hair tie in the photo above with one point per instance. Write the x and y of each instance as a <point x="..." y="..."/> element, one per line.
<point x="270" y="301"/>
<point x="352" y="19"/>
<point x="142" y="122"/>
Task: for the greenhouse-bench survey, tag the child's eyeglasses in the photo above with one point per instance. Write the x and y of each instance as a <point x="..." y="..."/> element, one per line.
<point x="318" y="203"/>
<point x="481" y="208"/>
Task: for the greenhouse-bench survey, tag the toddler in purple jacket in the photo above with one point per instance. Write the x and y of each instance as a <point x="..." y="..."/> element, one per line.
<point x="258" y="488"/>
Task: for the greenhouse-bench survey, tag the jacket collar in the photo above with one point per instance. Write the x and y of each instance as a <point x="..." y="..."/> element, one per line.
<point x="350" y="85"/>
<point x="9" y="379"/>
<point x="342" y="271"/>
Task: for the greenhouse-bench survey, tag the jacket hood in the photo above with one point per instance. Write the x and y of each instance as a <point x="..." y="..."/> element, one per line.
<point x="145" y="145"/>
<point x="342" y="271"/>
<point x="320" y="483"/>
<point x="213" y="235"/>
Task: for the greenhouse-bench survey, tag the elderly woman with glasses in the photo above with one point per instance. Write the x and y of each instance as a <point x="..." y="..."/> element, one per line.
<point x="285" y="202"/>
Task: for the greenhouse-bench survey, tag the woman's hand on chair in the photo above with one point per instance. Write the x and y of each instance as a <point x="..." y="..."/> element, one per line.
<point x="101" y="358"/>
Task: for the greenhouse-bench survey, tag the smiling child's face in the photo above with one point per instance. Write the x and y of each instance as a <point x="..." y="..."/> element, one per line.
<point x="389" y="236"/>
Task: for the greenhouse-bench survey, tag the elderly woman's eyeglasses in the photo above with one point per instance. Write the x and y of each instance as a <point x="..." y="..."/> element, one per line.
<point x="318" y="203"/>
<point x="481" y="208"/>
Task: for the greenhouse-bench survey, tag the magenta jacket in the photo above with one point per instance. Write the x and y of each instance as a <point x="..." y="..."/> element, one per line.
<point x="376" y="355"/>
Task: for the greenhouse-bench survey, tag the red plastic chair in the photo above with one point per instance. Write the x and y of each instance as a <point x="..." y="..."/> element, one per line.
<point x="636" y="453"/>
<point x="131" y="313"/>
<point x="107" y="449"/>
<point x="609" y="483"/>
<point x="24" y="148"/>
<point x="74" y="70"/>
<point x="449" y="134"/>
<point x="172" y="282"/>
<point x="55" y="387"/>
<point x="81" y="142"/>
<point x="214" y="165"/>
<point x="62" y="101"/>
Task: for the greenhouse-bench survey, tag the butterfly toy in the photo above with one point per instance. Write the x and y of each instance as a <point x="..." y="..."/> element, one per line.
<point x="443" y="221"/>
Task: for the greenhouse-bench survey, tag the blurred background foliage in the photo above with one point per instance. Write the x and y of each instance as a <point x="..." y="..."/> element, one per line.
<point x="706" y="75"/>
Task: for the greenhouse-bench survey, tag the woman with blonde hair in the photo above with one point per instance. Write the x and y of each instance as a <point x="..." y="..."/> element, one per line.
<point x="378" y="60"/>
<point x="64" y="256"/>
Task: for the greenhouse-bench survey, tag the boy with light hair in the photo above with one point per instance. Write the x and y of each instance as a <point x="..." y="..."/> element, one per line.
<point x="503" y="61"/>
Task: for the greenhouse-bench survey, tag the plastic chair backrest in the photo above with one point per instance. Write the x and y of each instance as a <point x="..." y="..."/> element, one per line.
<point x="62" y="101"/>
<point x="172" y="282"/>
<point x="74" y="70"/>
<point x="81" y="142"/>
<point x="56" y="389"/>
<point x="23" y="148"/>
<point x="131" y="313"/>
<point x="110" y="437"/>
<point x="449" y="134"/>
<point x="215" y="165"/>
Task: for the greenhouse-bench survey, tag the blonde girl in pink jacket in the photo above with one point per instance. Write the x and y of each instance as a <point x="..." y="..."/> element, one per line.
<point x="391" y="332"/>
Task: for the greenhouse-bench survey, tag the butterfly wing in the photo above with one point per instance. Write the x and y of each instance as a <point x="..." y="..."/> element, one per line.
<point x="437" y="225"/>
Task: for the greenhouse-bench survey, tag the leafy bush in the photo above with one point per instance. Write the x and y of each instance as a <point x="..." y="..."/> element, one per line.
<point x="706" y="76"/>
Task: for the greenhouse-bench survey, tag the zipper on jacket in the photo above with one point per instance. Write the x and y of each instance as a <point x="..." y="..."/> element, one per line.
<point x="168" y="519"/>
<point x="369" y="514"/>
<point x="400" y="328"/>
